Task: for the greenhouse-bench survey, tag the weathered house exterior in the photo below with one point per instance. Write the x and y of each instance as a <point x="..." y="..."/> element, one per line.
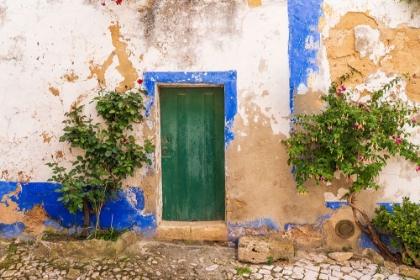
<point x="240" y="67"/>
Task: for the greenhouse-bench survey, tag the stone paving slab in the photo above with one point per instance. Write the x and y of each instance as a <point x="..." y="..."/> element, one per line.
<point x="160" y="260"/>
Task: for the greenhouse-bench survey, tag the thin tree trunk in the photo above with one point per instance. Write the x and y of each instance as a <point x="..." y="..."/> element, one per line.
<point x="86" y="214"/>
<point x="366" y="226"/>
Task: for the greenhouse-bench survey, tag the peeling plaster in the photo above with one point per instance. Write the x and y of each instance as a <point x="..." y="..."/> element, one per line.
<point x="125" y="66"/>
<point x="254" y="3"/>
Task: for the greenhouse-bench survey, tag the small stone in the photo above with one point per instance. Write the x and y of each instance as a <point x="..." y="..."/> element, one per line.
<point x="233" y="271"/>
<point x="373" y="256"/>
<point x="277" y="269"/>
<point x="346" y="269"/>
<point x="8" y="273"/>
<point x="323" y="276"/>
<point x="256" y="276"/>
<point x="340" y="256"/>
<point x="73" y="273"/>
<point x="269" y="267"/>
<point x="297" y="276"/>
<point x="212" y="267"/>
<point x="409" y="271"/>
<point x="356" y="274"/>
<point x="264" y="271"/>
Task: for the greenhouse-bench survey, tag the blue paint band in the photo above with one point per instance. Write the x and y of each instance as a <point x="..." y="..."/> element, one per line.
<point x="335" y="204"/>
<point x="125" y="211"/>
<point x="226" y="78"/>
<point x="304" y="40"/>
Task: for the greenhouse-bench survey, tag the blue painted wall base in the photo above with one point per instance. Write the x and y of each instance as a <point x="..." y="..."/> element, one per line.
<point x="126" y="211"/>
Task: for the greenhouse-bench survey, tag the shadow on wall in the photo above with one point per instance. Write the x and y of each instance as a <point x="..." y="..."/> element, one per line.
<point x="123" y="212"/>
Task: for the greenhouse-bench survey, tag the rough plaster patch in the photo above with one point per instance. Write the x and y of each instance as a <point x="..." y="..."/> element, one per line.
<point x="401" y="42"/>
<point x="34" y="220"/>
<point x="310" y="103"/>
<point x="367" y="43"/>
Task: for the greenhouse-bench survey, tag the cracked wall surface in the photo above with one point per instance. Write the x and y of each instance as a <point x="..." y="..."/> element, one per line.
<point x="56" y="54"/>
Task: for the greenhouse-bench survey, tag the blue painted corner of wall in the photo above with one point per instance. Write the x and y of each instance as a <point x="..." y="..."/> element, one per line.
<point x="227" y="79"/>
<point x="125" y="211"/>
<point x="304" y="41"/>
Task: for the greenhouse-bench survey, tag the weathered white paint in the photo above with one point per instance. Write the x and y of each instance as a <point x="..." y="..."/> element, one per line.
<point x="44" y="40"/>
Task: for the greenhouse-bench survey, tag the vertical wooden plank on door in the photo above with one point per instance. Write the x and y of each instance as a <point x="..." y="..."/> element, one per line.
<point x="219" y="154"/>
<point x="169" y="124"/>
<point x="181" y="189"/>
<point x="194" y="160"/>
<point x="208" y="180"/>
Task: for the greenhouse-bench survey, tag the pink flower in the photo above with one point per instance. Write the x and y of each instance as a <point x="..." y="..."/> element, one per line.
<point x="343" y="88"/>
<point x="356" y="152"/>
<point x="361" y="158"/>
<point x="397" y="140"/>
<point x="139" y="81"/>
<point x="118" y="2"/>
<point x="339" y="92"/>
<point x="418" y="168"/>
<point x="413" y="120"/>
<point x="356" y="125"/>
<point x="103" y="4"/>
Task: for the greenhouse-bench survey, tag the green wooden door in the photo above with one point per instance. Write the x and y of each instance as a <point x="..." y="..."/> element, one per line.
<point x="193" y="176"/>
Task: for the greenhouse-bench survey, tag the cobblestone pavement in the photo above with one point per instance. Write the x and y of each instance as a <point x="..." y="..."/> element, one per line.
<point x="159" y="260"/>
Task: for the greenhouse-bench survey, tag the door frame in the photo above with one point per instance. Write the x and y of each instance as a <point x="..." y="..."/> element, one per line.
<point x="154" y="80"/>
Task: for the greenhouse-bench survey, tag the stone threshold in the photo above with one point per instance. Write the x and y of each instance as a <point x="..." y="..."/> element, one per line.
<point x="201" y="230"/>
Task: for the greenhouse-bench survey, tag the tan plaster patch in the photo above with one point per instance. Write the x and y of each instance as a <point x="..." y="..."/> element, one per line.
<point x="5" y="175"/>
<point x="125" y="67"/>
<point x="59" y="154"/>
<point x="22" y="177"/>
<point x="403" y="58"/>
<point x="259" y="183"/>
<point x="71" y="77"/>
<point x="47" y="137"/>
<point x="34" y="220"/>
<point x="310" y="103"/>
<point x="254" y="3"/>
<point x="79" y="99"/>
<point x="9" y="210"/>
<point x="54" y="91"/>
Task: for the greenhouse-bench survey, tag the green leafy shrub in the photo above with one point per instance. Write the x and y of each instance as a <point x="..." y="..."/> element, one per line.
<point x="355" y="138"/>
<point x="109" y="153"/>
<point x="404" y="224"/>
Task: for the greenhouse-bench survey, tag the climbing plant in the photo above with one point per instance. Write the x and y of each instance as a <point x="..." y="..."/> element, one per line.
<point x="354" y="138"/>
<point x="403" y="225"/>
<point x="109" y="154"/>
